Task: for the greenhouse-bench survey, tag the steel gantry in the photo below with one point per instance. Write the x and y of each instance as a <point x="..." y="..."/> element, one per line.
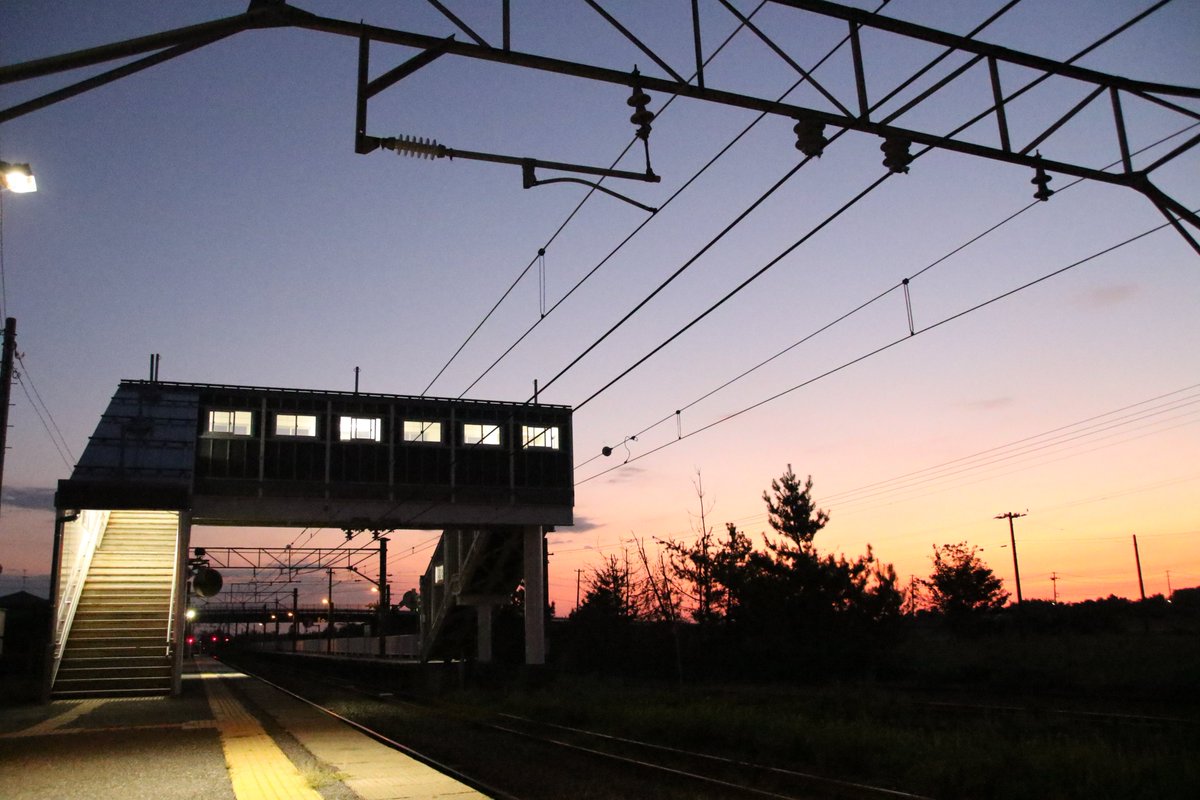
<point x="859" y="113"/>
<point x="287" y="561"/>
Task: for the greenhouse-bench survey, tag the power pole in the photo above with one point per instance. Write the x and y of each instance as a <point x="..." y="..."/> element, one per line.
<point x="579" y="574"/>
<point x="1137" y="558"/>
<point x="1169" y="591"/>
<point x="385" y="602"/>
<point x="329" y="622"/>
<point x="1054" y="580"/>
<point x="295" y="617"/>
<point x="6" y="373"/>
<point x="1012" y="536"/>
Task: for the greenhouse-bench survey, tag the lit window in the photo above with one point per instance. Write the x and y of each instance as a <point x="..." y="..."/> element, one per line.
<point x="439" y="573"/>
<point x="295" y="425"/>
<point x="360" y="429"/>
<point x="236" y="423"/>
<point x="474" y="433"/>
<point x="533" y="436"/>
<point x="416" y="431"/>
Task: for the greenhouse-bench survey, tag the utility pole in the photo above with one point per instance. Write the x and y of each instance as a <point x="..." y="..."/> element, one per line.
<point x="1137" y="558"/>
<point x="329" y="620"/>
<point x="6" y="373"/>
<point x="1169" y="591"/>
<point x="295" y="617"/>
<point x="1054" y="580"/>
<point x="1012" y="536"/>
<point x="579" y="574"/>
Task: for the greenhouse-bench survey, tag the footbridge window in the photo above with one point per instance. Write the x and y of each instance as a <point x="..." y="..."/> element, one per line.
<point x="303" y="425"/>
<point x="231" y="423"/>
<point x="418" y="431"/>
<point x="361" y="429"/>
<point x="481" y="433"/>
<point x="533" y="436"/>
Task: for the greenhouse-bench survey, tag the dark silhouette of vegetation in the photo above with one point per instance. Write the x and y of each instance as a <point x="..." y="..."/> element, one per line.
<point x="755" y="607"/>
<point x="961" y="586"/>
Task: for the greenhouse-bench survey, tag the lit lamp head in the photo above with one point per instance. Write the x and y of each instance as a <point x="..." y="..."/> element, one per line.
<point x="17" y="178"/>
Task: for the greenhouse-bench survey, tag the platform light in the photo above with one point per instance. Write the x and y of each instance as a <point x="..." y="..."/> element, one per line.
<point x="17" y="178"/>
<point x="190" y="614"/>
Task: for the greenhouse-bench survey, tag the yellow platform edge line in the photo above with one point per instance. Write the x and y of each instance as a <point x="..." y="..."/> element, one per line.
<point x="258" y="769"/>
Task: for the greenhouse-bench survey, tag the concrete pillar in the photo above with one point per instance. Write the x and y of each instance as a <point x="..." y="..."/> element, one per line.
<point x="535" y="595"/>
<point x="483" y="633"/>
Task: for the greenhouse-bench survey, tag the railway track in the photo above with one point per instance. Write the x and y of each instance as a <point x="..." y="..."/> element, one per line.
<point x="518" y="758"/>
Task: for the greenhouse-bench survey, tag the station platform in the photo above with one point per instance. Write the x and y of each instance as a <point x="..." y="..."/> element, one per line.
<point x="226" y="737"/>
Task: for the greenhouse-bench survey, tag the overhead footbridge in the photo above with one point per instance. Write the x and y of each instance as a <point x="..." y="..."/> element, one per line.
<point x="169" y="456"/>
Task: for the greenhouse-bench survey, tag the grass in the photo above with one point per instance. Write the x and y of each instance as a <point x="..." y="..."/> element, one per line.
<point x="885" y="732"/>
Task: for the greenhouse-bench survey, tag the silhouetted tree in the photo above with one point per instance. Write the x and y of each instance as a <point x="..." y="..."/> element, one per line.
<point x="734" y="572"/>
<point x="791" y="512"/>
<point x="961" y="585"/>
<point x="611" y="593"/>
<point x="795" y="587"/>
<point x="693" y="566"/>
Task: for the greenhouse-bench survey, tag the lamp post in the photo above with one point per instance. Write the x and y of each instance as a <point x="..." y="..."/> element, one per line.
<point x="17" y="178"/>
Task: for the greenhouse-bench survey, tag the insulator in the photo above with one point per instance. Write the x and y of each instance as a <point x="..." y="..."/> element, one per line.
<point x="1041" y="181"/>
<point x="642" y="117"/>
<point x="895" y="154"/>
<point x="810" y="137"/>
<point x="414" y="146"/>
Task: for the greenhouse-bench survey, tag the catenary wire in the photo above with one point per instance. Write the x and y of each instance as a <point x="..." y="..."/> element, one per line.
<point x="587" y="196"/>
<point x="741" y="217"/>
<point x="813" y="231"/>
<point x="882" y="294"/>
<point x="883" y="348"/>
<point x="672" y="197"/>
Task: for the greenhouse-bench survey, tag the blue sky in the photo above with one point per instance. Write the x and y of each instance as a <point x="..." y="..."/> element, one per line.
<point x="212" y="209"/>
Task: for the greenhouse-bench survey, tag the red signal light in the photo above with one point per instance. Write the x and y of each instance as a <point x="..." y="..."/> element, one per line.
<point x="191" y="640"/>
<point x="214" y="638"/>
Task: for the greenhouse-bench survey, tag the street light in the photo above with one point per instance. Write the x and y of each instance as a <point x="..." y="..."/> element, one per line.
<point x="17" y="178"/>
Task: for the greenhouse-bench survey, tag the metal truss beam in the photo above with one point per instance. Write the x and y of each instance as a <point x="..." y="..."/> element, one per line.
<point x="838" y="115"/>
<point x="289" y="559"/>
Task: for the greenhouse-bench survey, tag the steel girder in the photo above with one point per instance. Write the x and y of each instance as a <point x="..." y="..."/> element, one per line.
<point x="854" y="115"/>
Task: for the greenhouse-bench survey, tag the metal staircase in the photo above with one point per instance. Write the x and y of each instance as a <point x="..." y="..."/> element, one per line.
<point x="477" y="568"/>
<point x="119" y="642"/>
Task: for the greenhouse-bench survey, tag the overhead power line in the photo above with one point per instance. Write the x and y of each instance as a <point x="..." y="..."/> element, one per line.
<point x="587" y="196"/>
<point x="743" y="215"/>
<point x="866" y="304"/>
<point x="882" y="348"/>
<point x="812" y="232"/>
<point x="43" y="414"/>
<point x="683" y="187"/>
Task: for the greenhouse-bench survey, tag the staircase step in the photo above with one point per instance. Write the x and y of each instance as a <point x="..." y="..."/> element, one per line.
<point x="67" y="674"/>
<point x="96" y="687"/>
<point x="114" y="651"/>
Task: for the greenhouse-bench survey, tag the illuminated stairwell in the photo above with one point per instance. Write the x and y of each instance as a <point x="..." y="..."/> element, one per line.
<point x="119" y="641"/>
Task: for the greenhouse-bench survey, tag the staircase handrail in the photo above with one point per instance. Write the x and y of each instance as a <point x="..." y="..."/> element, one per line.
<point x="91" y="525"/>
<point x="174" y="589"/>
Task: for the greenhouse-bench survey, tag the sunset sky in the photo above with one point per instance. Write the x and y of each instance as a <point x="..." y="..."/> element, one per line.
<point x="212" y="209"/>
